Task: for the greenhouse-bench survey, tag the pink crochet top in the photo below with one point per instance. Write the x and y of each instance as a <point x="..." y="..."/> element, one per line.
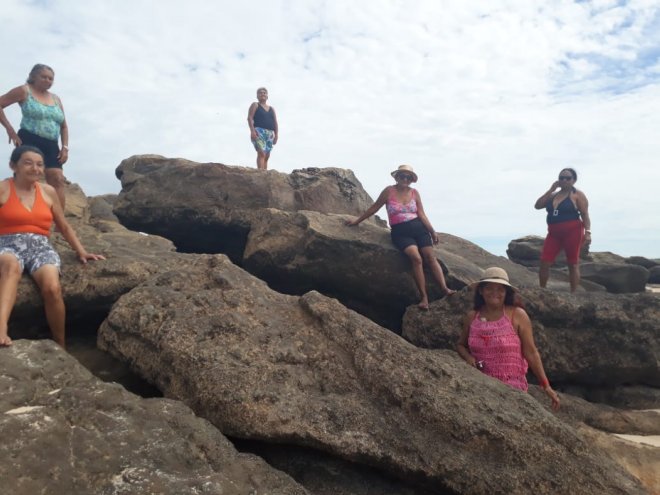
<point x="399" y="212"/>
<point x="497" y="344"/>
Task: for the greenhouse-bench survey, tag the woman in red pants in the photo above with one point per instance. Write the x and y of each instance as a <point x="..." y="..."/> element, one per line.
<point x="568" y="225"/>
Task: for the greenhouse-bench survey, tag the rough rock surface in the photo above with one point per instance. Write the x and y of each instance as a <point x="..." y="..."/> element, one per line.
<point x="618" y="278"/>
<point x="589" y="338"/>
<point x="642" y="261"/>
<point x="300" y="251"/>
<point x="654" y="275"/>
<point x="306" y="371"/>
<point x="65" y="432"/>
<point x="207" y="207"/>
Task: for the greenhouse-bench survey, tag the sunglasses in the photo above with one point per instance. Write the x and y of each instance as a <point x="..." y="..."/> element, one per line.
<point x="407" y="177"/>
<point x="565" y="177"/>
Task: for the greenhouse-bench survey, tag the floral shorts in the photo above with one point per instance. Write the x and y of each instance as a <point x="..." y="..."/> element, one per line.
<point x="264" y="141"/>
<point x="32" y="250"/>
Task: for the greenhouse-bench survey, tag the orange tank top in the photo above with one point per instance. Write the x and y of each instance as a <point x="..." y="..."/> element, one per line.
<point x="15" y="218"/>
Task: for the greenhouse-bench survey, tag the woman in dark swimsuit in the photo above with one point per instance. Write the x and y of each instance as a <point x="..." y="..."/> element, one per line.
<point x="568" y="225"/>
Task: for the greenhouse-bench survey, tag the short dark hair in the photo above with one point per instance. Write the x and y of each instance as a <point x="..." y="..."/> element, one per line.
<point x="511" y="298"/>
<point x="20" y="150"/>
<point x="35" y="71"/>
<point x="571" y="171"/>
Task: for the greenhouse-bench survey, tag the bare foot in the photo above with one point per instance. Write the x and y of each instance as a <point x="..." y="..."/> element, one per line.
<point x="423" y="304"/>
<point x="5" y="341"/>
<point x="449" y="292"/>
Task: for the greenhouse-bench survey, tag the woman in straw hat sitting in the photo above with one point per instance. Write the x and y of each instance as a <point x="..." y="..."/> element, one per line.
<point x="497" y="335"/>
<point x="412" y="232"/>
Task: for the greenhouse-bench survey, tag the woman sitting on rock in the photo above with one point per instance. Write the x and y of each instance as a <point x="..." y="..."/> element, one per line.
<point x="27" y="211"/>
<point x="412" y="232"/>
<point x="497" y="335"/>
<point x="569" y="226"/>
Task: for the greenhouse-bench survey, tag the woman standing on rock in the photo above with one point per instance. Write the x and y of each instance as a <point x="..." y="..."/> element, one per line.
<point x="43" y="123"/>
<point x="412" y="232"/>
<point x="27" y="211"/>
<point x="569" y="226"/>
<point x="496" y="337"/>
<point x="262" y="121"/>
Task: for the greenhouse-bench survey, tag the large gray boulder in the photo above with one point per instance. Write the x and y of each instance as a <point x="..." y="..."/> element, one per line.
<point x="654" y="275"/>
<point x="300" y="251"/>
<point x="617" y="278"/>
<point x="65" y="432"/>
<point x="594" y="339"/>
<point x="207" y="207"/>
<point x="306" y="371"/>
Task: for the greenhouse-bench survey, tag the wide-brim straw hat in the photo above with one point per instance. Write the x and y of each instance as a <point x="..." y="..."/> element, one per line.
<point x="495" y="274"/>
<point x="405" y="168"/>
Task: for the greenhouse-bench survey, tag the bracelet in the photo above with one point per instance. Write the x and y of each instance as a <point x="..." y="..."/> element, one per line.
<point x="544" y="383"/>
<point x="587" y="231"/>
<point x="65" y="147"/>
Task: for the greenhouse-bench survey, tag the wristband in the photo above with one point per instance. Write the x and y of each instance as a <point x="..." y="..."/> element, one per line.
<point x="65" y="147"/>
<point x="587" y="231"/>
<point x="544" y="383"/>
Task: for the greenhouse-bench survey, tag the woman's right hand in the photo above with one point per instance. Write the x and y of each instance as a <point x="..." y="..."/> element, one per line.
<point x="253" y="135"/>
<point x="555" y="185"/>
<point x="351" y="223"/>
<point x="553" y="397"/>
<point x="13" y="137"/>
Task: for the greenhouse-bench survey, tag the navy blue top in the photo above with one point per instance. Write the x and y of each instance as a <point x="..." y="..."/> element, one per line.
<point x="264" y="119"/>
<point x="565" y="211"/>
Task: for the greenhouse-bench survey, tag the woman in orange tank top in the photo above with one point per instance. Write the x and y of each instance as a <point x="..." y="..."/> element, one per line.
<point x="27" y="211"/>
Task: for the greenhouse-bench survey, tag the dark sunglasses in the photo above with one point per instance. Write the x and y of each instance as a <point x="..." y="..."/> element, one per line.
<point x="565" y="177"/>
<point x="407" y="177"/>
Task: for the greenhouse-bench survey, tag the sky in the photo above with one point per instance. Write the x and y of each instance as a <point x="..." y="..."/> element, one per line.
<point x="487" y="100"/>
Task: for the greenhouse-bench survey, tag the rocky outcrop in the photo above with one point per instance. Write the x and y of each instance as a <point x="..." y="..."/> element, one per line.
<point x="617" y="278"/>
<point x="306" y="371"/>
<point x="208" y="207"/>
<point x="654" y="275"/>
<point x="642" y="261"/>
<point x="300" y="251"/>
<point x="65" y="432"/>
<point x="594" y="339"/>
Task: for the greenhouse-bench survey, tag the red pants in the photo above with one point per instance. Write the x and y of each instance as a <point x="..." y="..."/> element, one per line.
<point x="567" y="236"/>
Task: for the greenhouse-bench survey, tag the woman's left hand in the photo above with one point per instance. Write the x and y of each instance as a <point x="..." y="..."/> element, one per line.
<point x="85" y="257"/>
<point x="63" y="156"/>
<point x="435" y="238"/>
<point x="553" y="397"/>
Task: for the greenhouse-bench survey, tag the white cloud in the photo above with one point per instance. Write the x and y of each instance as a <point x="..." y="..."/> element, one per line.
<point x="487" y="100"/>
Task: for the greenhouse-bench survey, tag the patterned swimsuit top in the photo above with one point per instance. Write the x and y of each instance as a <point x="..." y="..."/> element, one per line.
<point x="497" y="344"/>
<point x="42" y="120"/>
<point x="397" y="212"/>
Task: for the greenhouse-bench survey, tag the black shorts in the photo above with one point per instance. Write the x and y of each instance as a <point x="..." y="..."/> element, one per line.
<point x="412" y="232"/>
<point x="48" y="147"/>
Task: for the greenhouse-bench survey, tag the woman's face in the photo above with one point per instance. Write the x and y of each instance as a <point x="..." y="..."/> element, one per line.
<point x="30" y="166"/>
<point x="262" y="95"/>
<point x="404" y="178"/>
<point x="493" y="293"/>
<point x="44" y="79"/>
<point x="566" y="178"/>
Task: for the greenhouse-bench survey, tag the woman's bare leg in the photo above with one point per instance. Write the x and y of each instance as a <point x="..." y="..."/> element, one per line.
<point x="48" y="279"/>
<point x="10" y="275"/>
<point x="418" y="274"/>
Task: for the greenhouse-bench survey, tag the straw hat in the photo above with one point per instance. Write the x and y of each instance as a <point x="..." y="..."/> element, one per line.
<point x="495" y="274"/>
<point x="405" y="168"/>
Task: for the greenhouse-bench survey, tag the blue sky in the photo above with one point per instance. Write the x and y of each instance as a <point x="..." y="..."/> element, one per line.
<point x="487" y="100"/>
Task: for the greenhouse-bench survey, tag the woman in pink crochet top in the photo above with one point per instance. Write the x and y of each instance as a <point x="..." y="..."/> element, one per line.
<point x="497" y="335"/>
